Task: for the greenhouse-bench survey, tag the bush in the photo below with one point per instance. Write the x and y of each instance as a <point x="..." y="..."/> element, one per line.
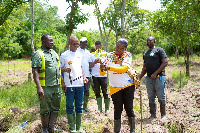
<point x="14" y="50"/>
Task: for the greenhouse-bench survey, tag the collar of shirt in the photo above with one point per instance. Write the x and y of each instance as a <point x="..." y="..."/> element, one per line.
<point x="49" y="51"/>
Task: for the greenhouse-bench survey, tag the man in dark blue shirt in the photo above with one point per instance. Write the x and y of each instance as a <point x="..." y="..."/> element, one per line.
<point x="155" y="61"/>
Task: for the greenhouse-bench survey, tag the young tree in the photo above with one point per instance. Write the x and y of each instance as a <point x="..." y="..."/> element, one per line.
<point x="75" y="16"/>
<point x="6" y="8"/>
<point x="180" y="20"/>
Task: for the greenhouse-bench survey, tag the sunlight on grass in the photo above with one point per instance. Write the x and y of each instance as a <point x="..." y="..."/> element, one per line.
<point x="12" y="78"/>
<point x="62" y="105"/>
<point x="95" y="127"/>
<point x="178" y="77"/>
<point x="19" y="96"/>
<point x="195" y="57"/>
<point x="14" y="66"/>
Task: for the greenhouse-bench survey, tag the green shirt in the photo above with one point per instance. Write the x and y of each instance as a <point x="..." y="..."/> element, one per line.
<point x="51" y="66"/>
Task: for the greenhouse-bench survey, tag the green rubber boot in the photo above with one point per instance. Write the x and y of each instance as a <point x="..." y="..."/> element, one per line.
<point x="107" y="105"/>
<point x="78" y="123"/>
<point x="99" y="103"/>
<point x="71" y="123"/>
<point x="85" y="102"/>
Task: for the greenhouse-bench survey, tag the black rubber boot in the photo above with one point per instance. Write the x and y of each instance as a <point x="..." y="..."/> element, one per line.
<point x="152" y="110"/>
<point x="52" y="122"/>
<point x="131" y="121"/>
<point x="45" y="123"/>
<point x="117" y="126"/>
<point x="163" y="111"/>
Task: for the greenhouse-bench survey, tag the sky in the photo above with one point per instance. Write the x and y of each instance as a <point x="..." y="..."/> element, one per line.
<point x="92" y="23"/>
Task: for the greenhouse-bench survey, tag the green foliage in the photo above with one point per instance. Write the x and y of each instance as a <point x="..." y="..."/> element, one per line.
<point x="15" y="33"/>
<point x="78" y="18"/>
<point x="179" y="21"/>
<point x="14" y="50"/>
<point x="6" y="8"/>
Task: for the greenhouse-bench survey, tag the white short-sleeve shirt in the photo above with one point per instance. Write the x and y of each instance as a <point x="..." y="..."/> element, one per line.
<point x="86" y="55"/>
<point x="95" y="69"/>
<point x="75" y="77"/>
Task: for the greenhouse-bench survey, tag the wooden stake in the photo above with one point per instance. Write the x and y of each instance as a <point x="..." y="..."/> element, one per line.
<point x="180" y="79"/>
<point x="14" y="68"/>
<point x="140" y="108"/>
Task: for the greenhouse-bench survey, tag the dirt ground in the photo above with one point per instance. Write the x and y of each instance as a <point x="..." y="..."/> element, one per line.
<point x="183" y="107"/>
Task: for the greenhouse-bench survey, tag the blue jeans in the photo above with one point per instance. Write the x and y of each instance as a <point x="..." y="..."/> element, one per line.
<point x="156" y="87"/>
<point x="74" y="93"/>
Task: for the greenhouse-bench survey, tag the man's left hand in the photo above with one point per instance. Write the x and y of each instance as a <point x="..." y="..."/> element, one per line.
<point x="64" y="88"/>
<point x="85" y="80"/>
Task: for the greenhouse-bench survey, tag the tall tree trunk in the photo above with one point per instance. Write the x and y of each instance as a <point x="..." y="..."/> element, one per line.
<point x="104" y="40"/>
<point x="187" y="61"/>
<point x="122" y="18"/>
<point x="117" y="9"/>
<point x="99" y="24"/>
<point x="67" y="46"/>
<point x="177" y="53"/>
<point x="106" y="43"/>
<point x="70" y="22"/>
<point x="32" y="27"/>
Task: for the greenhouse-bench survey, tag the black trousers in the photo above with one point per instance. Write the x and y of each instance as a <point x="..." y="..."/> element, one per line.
<point x="86" y="87"/>
<point x="123" y="97"/>
<point x="100" y="82"/>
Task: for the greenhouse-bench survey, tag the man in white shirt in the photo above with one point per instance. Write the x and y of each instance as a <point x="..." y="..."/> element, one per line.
<point x="86" y="55"/>
<point x="73" y="85"/>
<point x="99" y="80"/>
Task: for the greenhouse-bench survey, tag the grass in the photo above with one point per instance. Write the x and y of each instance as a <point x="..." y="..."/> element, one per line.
<point x="13" y="70"/>
<point x="181" y="59"/>
<point x="15" y="66"/>
<point x="176" y="127"/>
<point x="180" y="78"/>
<point x="18" y="96"/>
<point x="22" y="97"/>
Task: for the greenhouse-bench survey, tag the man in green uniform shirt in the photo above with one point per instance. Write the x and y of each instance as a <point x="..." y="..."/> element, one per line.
<point x="46" y="74"/>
